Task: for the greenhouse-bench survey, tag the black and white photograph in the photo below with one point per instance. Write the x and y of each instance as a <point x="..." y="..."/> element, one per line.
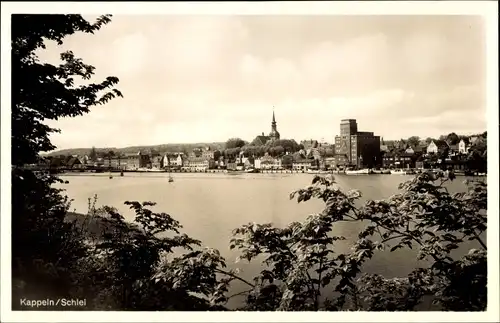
<point x="214" y="159"/>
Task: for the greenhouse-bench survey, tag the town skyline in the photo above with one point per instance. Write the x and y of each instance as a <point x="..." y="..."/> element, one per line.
<point x="211" y="78"/>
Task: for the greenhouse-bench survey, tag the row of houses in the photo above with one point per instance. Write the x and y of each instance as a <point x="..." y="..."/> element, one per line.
<point x="179" y="161"/>
<point x="433" y="147"/>
<point x="396" y="154"/>
<point x="141" y="160"/>
<point x="402" y="155"/>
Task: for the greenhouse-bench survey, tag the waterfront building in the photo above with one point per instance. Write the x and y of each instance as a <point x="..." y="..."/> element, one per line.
<point x="257" y="163"/>
<point x="329" y="162"/>
<point x="220" y="163"/>
<point x="106" y="162"/>
<point x="178" y="160"/>
<point x="437" y="146"/>
<point x="74" y="162"/>
<point x="133" y="161"/>
<point x="356" y="148"/>
<point x="121" y="162"/>
<point x="196" y="153"/>
<point x="308" y="144"/>
<point x="248" y="162"/>
<point x="157" y="162"/>
<point x="454" y="150"/>
<point x="302" y="164"/>
<point x="117" y="162"/>
<point x="99" y="162"/>
<point x="137" y="160"/>
<point x="314" y="153"/>
<point x="231" y="166"/>
<point x="399" y="160"/>
<point x="84" y="160"/>
<point x="463" y="146"/>
<point x="173" y="161"/>
<point x="208" y="153"/>
<point x="268" y="162"/>
<point x="197" y="163"/>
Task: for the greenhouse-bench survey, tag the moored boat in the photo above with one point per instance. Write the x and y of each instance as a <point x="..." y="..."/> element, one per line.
<point x="357" y="172"/>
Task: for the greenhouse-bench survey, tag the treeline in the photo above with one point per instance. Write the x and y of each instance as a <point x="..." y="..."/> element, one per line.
<point x="151" y="265"/>
<point x="276" y="148"/>
<point x="451" y="139"/>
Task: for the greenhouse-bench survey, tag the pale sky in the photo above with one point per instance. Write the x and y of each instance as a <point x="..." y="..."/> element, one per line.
<point x="210" y="78"/>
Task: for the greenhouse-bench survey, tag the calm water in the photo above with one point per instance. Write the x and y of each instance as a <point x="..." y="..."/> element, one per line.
<point x="210" y="206"/>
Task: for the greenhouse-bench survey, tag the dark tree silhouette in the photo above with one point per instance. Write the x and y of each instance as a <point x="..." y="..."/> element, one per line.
<point x="452" y="138"/>
<point x="41" y="91"/>
<point x="93" y="154"/>
<point x="235" y="143"/>
<point x="413" y="141"/>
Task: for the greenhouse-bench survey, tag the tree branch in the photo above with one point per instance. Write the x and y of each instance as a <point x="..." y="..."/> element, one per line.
<point x="234" y="276"/>
<point x="480" y="241"/>
<point x="319" y="284"/>
<point x="395" y="237"/>
<point x="240" y="293"/>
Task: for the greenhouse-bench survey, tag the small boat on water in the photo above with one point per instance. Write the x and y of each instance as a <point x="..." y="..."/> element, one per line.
<point x="252" y="170"/>
<point x="357" y="172"/>
<point x="398" y="172"/>
<point x="170" y="178"/>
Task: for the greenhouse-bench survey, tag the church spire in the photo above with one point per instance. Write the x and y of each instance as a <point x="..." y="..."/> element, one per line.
<point x="275" y="135"/>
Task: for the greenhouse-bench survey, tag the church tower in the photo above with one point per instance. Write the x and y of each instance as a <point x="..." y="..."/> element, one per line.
<point x="274" y="134"/>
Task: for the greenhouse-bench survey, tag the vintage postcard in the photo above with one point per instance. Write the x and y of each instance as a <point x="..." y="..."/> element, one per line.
<point x="269" y="161"/>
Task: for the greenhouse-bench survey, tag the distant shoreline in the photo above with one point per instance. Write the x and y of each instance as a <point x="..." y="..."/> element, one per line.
<point x="230" y="173"/>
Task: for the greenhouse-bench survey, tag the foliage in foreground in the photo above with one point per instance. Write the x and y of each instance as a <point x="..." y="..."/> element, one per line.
<point x="304" y="267"/>
<point x="45" y="248"/>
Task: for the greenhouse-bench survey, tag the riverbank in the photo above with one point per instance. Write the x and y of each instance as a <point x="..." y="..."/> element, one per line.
<point x="223" y="171"/>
